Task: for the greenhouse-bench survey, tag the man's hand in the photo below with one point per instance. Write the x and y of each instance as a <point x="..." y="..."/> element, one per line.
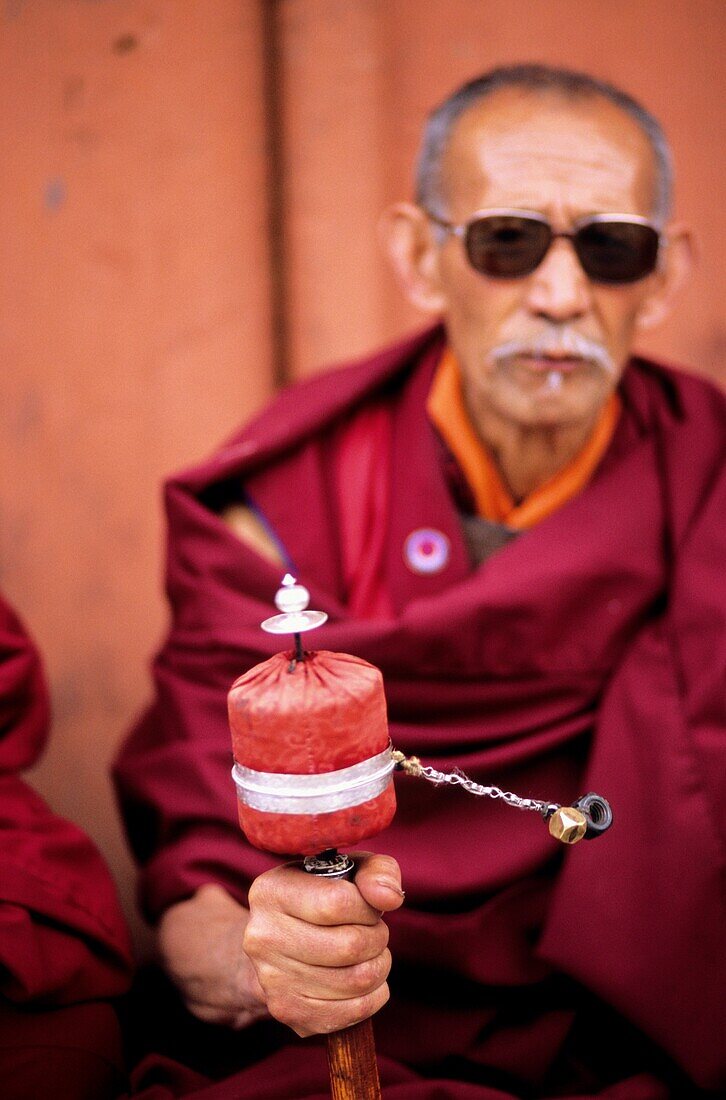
<point x="319" y="947"/>
<point x="201" y="947"/>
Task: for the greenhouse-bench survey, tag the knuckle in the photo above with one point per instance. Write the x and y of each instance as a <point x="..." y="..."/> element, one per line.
<point x="353" y="944"/>
<point x="362" y="979"/>
<point x="256" y="939"/>
<point x="250" y="939"/>
<point x="367" y="976"/>
<point x="269" y="887"/>
<point x="259" y="890"/>
<point x="331" y="905"/>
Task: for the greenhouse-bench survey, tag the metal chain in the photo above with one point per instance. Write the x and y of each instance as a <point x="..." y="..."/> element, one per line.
<point x="413" y="766"/>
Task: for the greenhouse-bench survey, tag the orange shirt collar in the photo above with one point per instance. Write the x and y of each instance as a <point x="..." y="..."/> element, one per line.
<point x="447" y="412"/>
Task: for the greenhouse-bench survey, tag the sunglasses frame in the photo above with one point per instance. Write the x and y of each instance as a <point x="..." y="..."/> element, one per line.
<point x="461" y="230"/>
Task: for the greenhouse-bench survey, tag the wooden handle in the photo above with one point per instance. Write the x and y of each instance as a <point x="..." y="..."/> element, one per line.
<point x="352" y="1063"/>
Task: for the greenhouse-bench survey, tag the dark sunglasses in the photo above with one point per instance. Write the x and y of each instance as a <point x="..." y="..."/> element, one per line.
<point x="508" y="244"/>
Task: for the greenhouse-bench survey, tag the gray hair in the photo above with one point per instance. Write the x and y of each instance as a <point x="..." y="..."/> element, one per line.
<point x="537" y="79"/>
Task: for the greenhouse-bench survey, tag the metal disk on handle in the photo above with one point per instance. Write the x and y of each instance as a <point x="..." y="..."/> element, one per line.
<point x="351" y="1051"/>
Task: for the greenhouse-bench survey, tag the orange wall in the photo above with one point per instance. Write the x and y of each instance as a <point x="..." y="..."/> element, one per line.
<point x="191" y="189"/>
<point x="135" y="328"/>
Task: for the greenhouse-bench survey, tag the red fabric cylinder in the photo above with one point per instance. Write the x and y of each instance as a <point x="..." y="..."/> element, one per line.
<point x="326" y="713"/>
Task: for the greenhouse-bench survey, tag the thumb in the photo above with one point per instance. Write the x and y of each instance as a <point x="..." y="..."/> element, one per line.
<point x="378" y="879"/>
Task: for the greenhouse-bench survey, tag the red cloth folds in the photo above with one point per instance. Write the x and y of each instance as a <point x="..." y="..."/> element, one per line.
<point x="23" y="696"/>
<point x="68" y="1053"/>
<point x="64" y="947"/>
<point x="362" y="473"/>
<point x="62" y="936"/>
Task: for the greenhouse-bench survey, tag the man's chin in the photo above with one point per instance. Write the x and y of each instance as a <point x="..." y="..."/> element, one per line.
<point x="551" y="402"/>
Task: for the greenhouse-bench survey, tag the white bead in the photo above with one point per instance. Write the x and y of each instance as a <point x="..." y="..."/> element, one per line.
<point x="294" y="597"/>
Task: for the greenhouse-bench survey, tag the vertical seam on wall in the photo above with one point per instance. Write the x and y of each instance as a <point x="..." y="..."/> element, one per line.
<point x="272" y="70"/>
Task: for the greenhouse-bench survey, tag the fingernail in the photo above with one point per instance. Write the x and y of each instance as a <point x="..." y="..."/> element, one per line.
<point x="389" y="885"/>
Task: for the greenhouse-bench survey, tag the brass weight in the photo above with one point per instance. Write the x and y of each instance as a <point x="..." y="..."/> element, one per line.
<point x="568" y="824"/>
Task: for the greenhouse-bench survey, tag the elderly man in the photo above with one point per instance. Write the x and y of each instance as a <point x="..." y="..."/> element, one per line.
<point x="523" y="527"/>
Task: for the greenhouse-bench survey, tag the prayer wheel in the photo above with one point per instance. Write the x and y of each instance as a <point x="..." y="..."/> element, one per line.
<point x="313" y="766"/>
<point x="313" y="771"/>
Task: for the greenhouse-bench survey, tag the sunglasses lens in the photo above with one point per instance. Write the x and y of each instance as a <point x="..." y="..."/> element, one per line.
<point x="506" y="246"/>
<point x="617" y="252"/>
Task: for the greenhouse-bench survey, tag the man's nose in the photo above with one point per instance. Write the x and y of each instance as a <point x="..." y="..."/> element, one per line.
<point x="559" y="288"/>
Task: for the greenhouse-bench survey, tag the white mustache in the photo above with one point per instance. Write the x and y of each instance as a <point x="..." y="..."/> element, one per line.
<point x="556" y="342"/>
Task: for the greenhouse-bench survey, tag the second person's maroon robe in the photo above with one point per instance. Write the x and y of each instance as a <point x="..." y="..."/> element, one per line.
<point x="64" y="948"/>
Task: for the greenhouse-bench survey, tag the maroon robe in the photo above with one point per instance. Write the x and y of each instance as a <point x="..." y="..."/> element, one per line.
<point x="64" y="947"/>
<point x="588" y="654"/>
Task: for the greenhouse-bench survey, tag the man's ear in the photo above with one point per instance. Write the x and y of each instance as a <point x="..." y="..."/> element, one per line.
<point x="678" y="256"/>
<point x="408" y="240"/>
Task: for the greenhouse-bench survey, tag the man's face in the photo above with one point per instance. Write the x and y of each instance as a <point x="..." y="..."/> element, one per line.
<point x="564" y="160"/>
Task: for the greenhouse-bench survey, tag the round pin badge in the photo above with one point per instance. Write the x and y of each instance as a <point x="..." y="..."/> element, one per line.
<point x="426" y="551"/>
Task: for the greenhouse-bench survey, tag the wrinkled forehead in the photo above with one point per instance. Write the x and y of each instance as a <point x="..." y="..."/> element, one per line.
<point x="543" y="151"/>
